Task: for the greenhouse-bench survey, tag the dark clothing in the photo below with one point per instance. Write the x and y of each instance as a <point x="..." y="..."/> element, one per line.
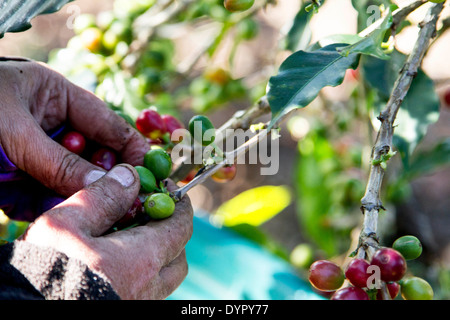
<point x="29" y="272"/>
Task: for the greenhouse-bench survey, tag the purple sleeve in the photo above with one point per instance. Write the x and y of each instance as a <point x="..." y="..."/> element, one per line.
<point x="22" y="197"/>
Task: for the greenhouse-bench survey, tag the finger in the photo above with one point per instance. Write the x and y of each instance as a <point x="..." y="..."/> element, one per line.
<point x="94" y="209"/>
<point x="172" y="275"/>
<point x="167" y="237"/>
<point x="172" y="234"/>
<point x="31" y="150"/>
<point x="105" y="126"/>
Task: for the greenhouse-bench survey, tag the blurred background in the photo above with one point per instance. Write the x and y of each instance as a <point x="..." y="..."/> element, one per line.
<point x="311" y="208"/>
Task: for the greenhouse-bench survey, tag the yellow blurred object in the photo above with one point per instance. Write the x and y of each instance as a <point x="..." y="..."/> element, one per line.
<point x="254" y="206"/>
<point x="3" y="217"/>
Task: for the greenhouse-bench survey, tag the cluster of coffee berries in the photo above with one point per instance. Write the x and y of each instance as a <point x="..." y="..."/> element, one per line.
<point x="159" y="130"/>
<point x="388" y="266"/>
<point x="101" y="156"/>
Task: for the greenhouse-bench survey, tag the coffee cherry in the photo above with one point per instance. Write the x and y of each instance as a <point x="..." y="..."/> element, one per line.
<point x="416" y="289"/>
<point x="247" y="29"/>
<point x="150" y="124"/>
<point x="131" y="214"/>
<point x="447" y="97"/>
<point x="238" y="5"/>
<point x="409" y="247"/>
<point x="225" y="174"/>
<point x="393" y="289"/>
<point x="159" y="206"/>
<point x="148" y="180"/>
<point x="171" y="123"/>
<point x="356" y="273"/>
<point x="302" y="256"/>
<point x="190" y="176"/>
<point x="217" y="75"/>
<point x="350" y="293"/>
<point x="391" y="263"/>
<point x="74" y="142"/>
<point x="83" y="22"/>
<point x="104" y="158"/>
<point x="159" y="163"/>
<point x="325" y="275"/>
<point x="91" y="38"/>
<point x="202" y="130"/>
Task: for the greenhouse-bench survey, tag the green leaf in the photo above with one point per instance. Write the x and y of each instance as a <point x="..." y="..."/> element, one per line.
<point x="371" y="44"/>
<point x="335" y="38"/>
<point x="303" y="74"/>
<point x="254" y="206"/>
<point x="299" y="34"/>
<point x="426" y="161"/>
<point x="15" y="16"/>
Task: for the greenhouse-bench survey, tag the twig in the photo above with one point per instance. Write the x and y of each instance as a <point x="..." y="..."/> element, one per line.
<point x="371" y="202"/>
<point x="210" y="170"/>
<point x="242" y="119"/>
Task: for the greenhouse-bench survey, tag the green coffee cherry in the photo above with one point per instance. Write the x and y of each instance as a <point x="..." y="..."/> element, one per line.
<point x="148" y="181"/>
<point x="159" y="206"/>
<point x="159" y="163"/>
<point x="238" y="5"/>
<point x="409" y="246"/>
<point x="415" y="288"/>
<point x="202" y="130"/>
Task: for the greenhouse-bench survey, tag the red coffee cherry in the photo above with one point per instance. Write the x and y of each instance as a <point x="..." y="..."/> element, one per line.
<point x="225" y="174"/>
<point x="190" y="176"/>
<point x="356" y="273"/>
<point x="391" y="263"/>
<point x="171" y="123"/>
<point x="150" y="124"/>
<point x="74" y="142"/>
<point x="136" y="209"/>
<point x="104" y="158"/>
<point x="325" y="275"/>
<point x="393" y="288"/>
<point x="350" y="293"/>
<point x="447" y="97"/>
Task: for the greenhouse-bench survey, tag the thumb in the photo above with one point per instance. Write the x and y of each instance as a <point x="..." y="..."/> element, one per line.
<point x="94" y="209"/>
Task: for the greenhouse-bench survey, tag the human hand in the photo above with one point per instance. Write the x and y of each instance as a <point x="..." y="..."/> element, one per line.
<point x="36" y="99"/>
<point x="145" y="262"/>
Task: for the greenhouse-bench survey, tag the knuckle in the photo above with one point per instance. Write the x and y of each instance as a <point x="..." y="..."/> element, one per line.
<point x="66" y="171"/>
<point x="110" y="206"/>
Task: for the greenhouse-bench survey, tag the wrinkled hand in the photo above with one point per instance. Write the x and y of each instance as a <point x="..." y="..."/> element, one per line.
<point x="145" y="262"/>
<point x="35" y="99"/>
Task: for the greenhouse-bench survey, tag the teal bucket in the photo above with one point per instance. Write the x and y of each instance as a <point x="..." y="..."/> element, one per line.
<point x="226" y="266"/>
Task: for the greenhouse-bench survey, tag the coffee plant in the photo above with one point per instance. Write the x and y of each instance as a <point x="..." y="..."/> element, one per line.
<point x="128" y="57"/>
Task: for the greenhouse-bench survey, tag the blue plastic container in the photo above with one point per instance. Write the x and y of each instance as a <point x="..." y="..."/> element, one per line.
<point x="226" y="266"/>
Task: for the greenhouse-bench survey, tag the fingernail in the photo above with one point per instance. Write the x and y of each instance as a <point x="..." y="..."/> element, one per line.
<point x="93" y="176"/>
<point x="122" y="174"/>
